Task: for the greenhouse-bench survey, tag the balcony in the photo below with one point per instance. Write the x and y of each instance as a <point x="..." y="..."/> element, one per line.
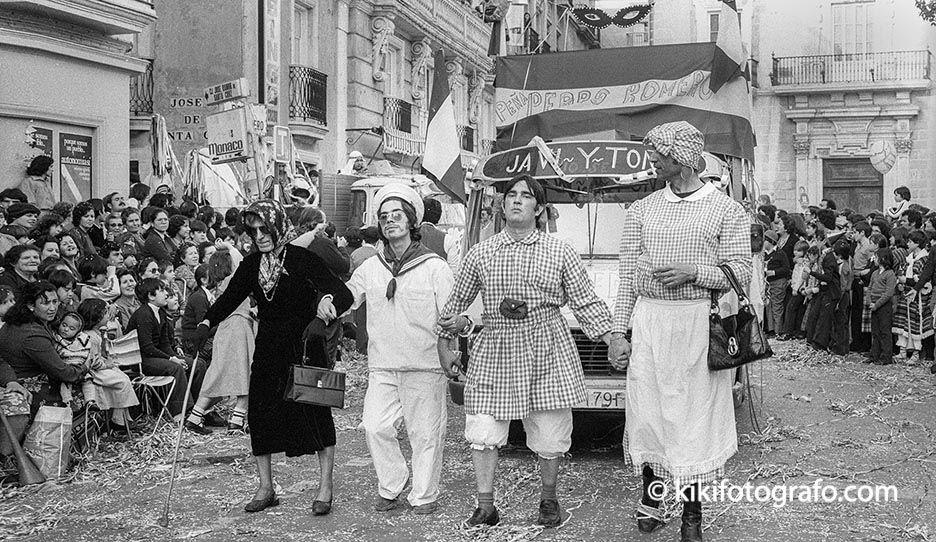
<point x="308" y="95"/>
<point x="896" y="69"/>
<point x="110" y="17"/>
<point x="486" y="147"/>
<point x="404" y="126"/>
<point x="141" y="92"/>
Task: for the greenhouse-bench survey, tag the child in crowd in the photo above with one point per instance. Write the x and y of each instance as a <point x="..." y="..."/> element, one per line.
<point x="112" y="388"/>
<point x="168" y="277"/>
<point x="879" y="300"/>
<point x="73" y="345"/>
<point x="796" y="307"/>
<point x="112" y="254"/>
<point x="811" y="287"/>
<point x="98" y="279"/>
<point x="187" y="261"/>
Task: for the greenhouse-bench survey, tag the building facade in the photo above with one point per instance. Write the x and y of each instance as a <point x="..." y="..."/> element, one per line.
<point x="834" y="81"/>
<point x="64" y="86"/>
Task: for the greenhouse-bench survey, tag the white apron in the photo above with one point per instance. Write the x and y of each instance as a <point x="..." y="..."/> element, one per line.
<point x="680" y="415"/>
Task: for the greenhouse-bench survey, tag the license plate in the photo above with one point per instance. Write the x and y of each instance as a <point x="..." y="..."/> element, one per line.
<point x="603" y="399"/>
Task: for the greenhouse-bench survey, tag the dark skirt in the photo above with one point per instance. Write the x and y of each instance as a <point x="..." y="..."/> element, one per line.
<point x="277" y="425"/>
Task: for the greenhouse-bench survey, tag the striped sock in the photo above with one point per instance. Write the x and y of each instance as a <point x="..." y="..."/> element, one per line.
<point x="197" y="416"/>
<point x="486" y="500"/>
<point x="237" y="417"/>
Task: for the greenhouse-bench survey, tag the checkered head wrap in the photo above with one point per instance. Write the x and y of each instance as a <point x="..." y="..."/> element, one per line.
<point x="680" y="140"/>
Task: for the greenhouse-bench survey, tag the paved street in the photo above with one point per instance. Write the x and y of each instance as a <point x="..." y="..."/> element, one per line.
<point x="841" y="421"/>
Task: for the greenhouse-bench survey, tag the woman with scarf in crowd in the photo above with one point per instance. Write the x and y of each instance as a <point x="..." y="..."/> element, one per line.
<point x="289" y="284"/>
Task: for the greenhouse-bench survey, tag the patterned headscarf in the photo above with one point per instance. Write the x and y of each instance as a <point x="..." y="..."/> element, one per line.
<point x="274" y="217"/>
<point x="680" y="140"/>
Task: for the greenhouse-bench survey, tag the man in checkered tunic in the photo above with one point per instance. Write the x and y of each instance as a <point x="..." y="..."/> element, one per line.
<point x="680" y="416"/>
<point x="524" y="365"/>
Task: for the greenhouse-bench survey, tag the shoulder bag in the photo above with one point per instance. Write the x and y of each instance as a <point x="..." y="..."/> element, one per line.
<point x="737" y="339"/>
<point x="314" y="385"/>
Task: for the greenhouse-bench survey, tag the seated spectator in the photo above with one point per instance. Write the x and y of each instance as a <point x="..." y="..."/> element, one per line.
<point x="83" y="216"/>
<point x="139" y="195"/>
<point x="70" y="250"/>
<point x="131" y="240"/>
<point x="23" y="214"/>
<point x="179" y="231"/>
<point x="112" y="254"/>
<point x="10" y="196"/>
<point x="14" y="399"/>
<point x="98" y="279"/>
<point x="65" y="287"/>
<point x="113" y="228"/>
<point x="158" y="242"/>
<point x="198" y="232"/>
<point x="48" y="224"/>
<point x="186" y="263"/>
<point x="161" y="356"/>
<point x="48" y="247"/>
<point x="128" y="302"/>
<point x="12" y="235"/>
<point x="148" y="269"/>
<point x="114" y="203"/>
<point x="107" y="385"/>
<point x="22" y="265"/>
<point x="26" y="343"/>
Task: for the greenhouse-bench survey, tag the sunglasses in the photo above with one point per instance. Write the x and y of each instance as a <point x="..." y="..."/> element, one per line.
<point x="254" y="231"/>
<point x="397" y="216"/>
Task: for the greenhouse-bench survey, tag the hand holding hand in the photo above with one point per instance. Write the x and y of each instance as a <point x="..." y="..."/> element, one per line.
<point x="619" y="352"/>
<point x="675" y="274"/>
<point x="326" y="310"/>
<point x="453" y="323"/>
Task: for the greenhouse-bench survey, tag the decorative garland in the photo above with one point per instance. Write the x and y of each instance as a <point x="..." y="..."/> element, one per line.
<point x="625" y="17"/>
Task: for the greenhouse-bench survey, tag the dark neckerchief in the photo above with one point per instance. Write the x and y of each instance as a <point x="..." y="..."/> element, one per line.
<point x="415" y="254"/>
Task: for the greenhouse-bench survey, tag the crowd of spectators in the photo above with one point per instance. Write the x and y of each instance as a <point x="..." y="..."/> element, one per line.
<point x="849" y="282"/>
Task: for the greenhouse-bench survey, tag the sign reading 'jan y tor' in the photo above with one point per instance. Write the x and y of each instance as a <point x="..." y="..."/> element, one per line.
<point x="575" y="158"/>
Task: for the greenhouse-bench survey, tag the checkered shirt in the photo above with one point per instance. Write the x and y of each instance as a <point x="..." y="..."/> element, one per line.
<point x="705" y="231"/>
<point x="518" y="366"/>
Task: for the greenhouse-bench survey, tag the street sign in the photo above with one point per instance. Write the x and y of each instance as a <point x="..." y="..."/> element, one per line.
<point x="282" y="145"/>
<point x="227" y="136"/>
<point x="225" y="92"/>
<point x="626" y="161"/>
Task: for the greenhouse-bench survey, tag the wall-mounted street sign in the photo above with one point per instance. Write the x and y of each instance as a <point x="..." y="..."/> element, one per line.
<point x="227" y="136"/>
<point x="282" y="145"/>
<point x="225" y="92"/>
<point x="624" y="161"/>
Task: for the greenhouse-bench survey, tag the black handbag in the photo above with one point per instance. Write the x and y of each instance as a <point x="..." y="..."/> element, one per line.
<point x="314" y="385"/>
<point x="737" y="339"/>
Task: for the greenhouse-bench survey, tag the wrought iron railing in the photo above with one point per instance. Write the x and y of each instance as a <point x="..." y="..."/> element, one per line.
<point x="404" y="126"/>
<point x="851" y="68"/>
<point x="308" y="95"/>
<point x="466" y="137"/>
<point x="141" y="92"/>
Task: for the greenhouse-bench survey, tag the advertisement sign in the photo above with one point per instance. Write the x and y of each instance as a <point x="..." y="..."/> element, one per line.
<point x="232" y="90"/>
<point x="40" y="139"/>
<point x="75" y="166"/>
<point x="271" y="50"/>
<point x="227" y="136"/>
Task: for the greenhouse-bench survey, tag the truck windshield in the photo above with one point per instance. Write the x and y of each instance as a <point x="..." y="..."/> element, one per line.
<point x="358" y="208"/>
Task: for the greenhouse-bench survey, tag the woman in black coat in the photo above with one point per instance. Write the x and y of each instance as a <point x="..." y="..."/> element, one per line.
<point x="288" y="283"/>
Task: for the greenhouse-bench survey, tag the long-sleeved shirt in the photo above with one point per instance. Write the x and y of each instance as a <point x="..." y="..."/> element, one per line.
<point x="882" y="288"/>
<point x="400" y="330"/>
<point x="828" y="273"/>
<point x="862" y="259"/>
<point x="778" y="262"/>
<point x="30" y="351"/>
<point x="155" y="336"/>
<point x="799" y="277"/>
<point x="926" y="275"/>
<point x="38" y="191"/>
<point x="519" y="366"/>
<point x="706" y="229"/>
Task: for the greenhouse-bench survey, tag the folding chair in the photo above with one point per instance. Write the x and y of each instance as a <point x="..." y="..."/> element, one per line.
<point x="125" y="352"/>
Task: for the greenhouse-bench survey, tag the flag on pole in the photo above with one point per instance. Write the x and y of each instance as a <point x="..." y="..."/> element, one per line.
<point x="442" y="160"/>
<point x="729" y="61"/>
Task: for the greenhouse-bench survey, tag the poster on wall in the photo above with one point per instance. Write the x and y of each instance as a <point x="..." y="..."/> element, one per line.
<point x="272" y="60"/>
<point x="40" y="139"/>
<point x="75" y="168"/>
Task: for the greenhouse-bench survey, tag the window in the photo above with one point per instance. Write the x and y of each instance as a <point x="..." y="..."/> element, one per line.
<point x="393" y="67"/>
<point x="713" y="26"/>
<point x="304" y="35"/>
<point x="852" y="28"/>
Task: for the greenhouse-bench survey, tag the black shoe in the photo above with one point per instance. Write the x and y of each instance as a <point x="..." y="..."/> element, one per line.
<point x="213" y="419"/>
<point x="321" y="508"/>
<point x="233" y="428"/>
<point x="649" y="518"/>
<point x="691" y="530"/>
<point x="549" y="515"/>
<point x="195" y="428"/>
<point x="933" y="369"/>
<point x="259" y="505"/>
<point x="483" y="516"/>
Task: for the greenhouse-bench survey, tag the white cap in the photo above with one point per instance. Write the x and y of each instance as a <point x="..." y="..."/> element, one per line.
<point x="403" y="192"/>
<point x="355" y="155"/>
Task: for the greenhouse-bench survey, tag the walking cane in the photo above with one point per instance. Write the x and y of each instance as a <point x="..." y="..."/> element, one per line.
<point x="164" y="520"/>
<point x="28" y="472"/>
